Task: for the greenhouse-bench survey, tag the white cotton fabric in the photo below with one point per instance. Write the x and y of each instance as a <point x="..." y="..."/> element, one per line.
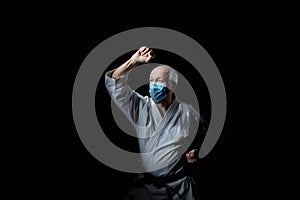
<point x="162" y="139"/>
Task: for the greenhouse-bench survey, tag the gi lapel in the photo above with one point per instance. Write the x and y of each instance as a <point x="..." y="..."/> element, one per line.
<point x="168" y="116"/>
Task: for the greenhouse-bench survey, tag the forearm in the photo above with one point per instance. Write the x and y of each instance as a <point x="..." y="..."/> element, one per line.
<point x="122" y="70"/>
<point x="143" y="55"/>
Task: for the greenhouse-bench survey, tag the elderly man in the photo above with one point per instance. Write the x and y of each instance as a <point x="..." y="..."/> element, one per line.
<point x="165" y="128"/>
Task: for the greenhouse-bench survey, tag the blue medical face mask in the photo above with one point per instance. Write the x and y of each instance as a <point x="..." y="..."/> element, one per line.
<point x="157" y="91"/>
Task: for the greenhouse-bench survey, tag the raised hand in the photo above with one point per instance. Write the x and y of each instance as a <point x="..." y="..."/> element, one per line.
<point x="143" y="55"/>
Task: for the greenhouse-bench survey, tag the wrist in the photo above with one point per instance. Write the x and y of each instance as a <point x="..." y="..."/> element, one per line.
<point x="133" y="62"/>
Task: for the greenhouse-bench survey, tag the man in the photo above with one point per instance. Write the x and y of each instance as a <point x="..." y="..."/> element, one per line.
<point x="165" y="128"/>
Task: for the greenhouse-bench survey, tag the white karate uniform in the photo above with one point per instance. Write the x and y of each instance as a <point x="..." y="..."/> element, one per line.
<point x="162" y="139"/>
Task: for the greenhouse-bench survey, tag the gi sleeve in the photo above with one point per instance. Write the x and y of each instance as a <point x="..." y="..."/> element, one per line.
<point x="197" y="122"/>
<point x="127" y="100"/>
<point x="200" y="135"/>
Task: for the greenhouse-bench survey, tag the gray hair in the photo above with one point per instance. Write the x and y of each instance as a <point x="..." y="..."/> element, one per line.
<point x="172" y="79"/>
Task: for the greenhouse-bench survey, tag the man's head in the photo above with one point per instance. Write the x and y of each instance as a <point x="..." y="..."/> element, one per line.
<point x="163" y="80"/>
<point x="165" y="75"/>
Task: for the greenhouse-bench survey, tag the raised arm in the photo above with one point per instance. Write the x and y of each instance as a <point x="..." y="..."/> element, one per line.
<point x="143" y="55"/>
<point x="129" y="101"/>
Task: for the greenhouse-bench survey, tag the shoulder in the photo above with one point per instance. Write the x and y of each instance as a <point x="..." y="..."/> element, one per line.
<point x="189" y="110"/>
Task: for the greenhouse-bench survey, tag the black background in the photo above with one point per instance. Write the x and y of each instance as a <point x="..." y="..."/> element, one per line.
<point x="248" y="161"/>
